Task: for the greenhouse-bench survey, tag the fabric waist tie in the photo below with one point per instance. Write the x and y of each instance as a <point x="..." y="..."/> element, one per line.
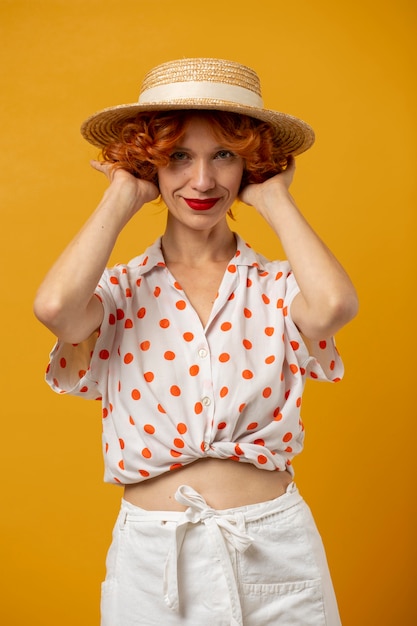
<point x="223" y="527"/>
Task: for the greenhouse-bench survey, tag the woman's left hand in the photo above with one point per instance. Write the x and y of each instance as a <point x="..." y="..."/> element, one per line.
<point x="263" y="194"/>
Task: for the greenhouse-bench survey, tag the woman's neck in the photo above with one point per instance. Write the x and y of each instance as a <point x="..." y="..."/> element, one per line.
<point x="194" y="248"/>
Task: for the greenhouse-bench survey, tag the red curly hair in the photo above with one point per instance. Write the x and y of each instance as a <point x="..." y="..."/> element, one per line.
<point x="146" y="143"/>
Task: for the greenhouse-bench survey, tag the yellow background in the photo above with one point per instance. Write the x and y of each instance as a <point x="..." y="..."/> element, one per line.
<point x="348" y="68"/>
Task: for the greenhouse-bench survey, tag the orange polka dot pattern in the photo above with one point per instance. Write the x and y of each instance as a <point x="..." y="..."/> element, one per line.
<point x="173" y="391"/>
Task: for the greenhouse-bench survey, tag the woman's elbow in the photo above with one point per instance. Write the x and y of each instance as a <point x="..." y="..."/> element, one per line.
<point x="327" y="318"/>
<point x="46" y="310"/>
<point x="68" y="325"/>
<point x="339" y="312"/>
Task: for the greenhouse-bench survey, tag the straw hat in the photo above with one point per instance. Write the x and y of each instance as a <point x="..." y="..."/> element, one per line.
<point x="210" y="84"/>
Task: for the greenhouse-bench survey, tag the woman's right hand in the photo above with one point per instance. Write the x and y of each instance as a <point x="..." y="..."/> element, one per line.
<point x="129" y="193"/>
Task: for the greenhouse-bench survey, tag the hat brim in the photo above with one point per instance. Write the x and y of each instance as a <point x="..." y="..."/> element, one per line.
<point x="293" y="135"/>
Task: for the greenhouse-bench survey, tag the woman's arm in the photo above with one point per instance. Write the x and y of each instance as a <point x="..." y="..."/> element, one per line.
<point x="65" y="302"/>
<point x="327" y="298"/>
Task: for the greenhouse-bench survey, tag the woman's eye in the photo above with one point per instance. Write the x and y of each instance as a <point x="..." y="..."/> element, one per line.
<point x="224" y="154"/>
<point x="178" y="156"/>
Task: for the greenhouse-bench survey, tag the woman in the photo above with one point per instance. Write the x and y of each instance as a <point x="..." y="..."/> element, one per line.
<point x="199" y="349"/>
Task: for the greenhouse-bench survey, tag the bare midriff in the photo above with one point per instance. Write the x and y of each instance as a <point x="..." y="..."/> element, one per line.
<point x="223" y="484"/>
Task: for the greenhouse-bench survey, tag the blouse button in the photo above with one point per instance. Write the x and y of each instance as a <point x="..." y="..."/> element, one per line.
<point x="202" y="353"/>
<point x="206" y="446"/>
<point x="206" y="401"/>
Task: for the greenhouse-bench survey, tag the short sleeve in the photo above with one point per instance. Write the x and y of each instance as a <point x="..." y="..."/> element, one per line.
<point x="69" y="369"/>
<point x="320" y="360"/>
<point x="82" y="369"/>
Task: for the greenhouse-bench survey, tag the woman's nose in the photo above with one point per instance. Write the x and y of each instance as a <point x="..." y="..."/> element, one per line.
<point x="202" y="176"/>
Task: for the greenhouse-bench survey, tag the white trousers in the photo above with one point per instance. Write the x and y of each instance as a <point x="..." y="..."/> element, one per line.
<point x="257" y="565"/>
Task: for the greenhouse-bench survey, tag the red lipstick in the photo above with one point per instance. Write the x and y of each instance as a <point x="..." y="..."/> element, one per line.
<point x="201" y="205"/>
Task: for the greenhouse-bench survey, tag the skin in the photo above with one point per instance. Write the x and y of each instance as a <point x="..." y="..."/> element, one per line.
<point x="195" y="240"/>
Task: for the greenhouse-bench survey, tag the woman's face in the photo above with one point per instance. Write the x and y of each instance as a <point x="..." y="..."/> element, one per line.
<point x="202" y="179"/>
